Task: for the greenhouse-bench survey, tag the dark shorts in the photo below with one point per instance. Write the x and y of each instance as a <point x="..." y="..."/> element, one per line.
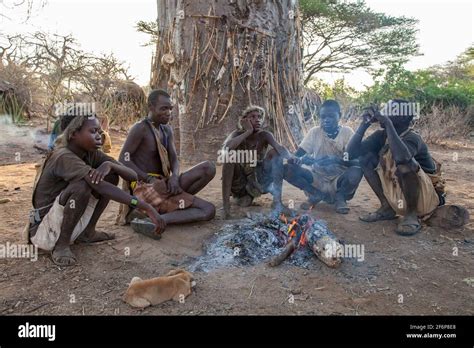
<point x="253" y="181"/>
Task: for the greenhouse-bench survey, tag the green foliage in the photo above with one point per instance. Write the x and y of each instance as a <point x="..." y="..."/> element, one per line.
<point x="340" y="90"/>
<point x="341" y="36"/>
<point x="149" y="28"/>
<point x="445" y="91"/>
<point x="11" y="106"/>
<point x="428" y="87"/>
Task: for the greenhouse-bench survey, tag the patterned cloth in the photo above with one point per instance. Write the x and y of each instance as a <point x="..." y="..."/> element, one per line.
<point x="155" y="194"/>
<point x="427" y="198"/>
<point x="248" y="180"/>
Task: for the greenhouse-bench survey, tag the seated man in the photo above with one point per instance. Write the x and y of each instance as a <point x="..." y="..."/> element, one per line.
<point x="72" y="189"/>
<point x="397" y="166"/>
<point x="328" y="174"/>
<point x="246" y="181"/>
<point x="150" y="151"/>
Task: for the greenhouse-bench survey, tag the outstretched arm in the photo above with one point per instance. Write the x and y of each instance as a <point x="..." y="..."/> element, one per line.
<point x="98" y="174"/>
<point x="354" y="146"/>
<point x="400" y="152"/>
<point x="114" y="193"/>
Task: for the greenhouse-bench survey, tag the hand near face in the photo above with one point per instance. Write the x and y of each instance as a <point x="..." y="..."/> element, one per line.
<point x="378" y="117"/>
<point x="246" y="124"/>
<point x="368" y="115"/>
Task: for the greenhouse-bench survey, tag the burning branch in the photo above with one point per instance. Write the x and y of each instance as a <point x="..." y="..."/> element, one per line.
<point x="287" y="251"/>
<point x="304" y="230"/>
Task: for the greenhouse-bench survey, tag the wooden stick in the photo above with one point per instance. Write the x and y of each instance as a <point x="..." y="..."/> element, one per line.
<point x="287" y="251"/>
<point x="205" y="16"/>
<point x="231" y="99"/>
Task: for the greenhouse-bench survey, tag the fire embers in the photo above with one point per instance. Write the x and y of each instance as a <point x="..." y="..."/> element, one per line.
<point x="304" y="230"/>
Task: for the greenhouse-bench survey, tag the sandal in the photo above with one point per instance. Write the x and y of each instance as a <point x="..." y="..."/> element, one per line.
<point x="408" y="228"/>
<point x="377" y="216"/>
<point x="63" y="257"/>
<point x="341" y="207"/>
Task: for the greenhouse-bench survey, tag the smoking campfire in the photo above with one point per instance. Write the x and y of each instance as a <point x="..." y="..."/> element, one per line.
<point x="261" y="238"/>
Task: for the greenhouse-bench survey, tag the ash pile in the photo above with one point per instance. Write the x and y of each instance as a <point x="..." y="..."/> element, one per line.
<point x="256" y="239"/>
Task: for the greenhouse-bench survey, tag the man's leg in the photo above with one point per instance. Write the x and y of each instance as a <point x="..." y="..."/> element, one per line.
<point x="299" y="177"/>
<point x="90" y="235"/>
<point x="200" y="210"/>
<point x="410" y="184"/>
<point x="347" y="185"/>
<point x="368" y="163"/>
<point x="74" y="199"/>
<point x="227" y="176"/>
<point x="196" y="178"/>
<point x="273" y="165"/>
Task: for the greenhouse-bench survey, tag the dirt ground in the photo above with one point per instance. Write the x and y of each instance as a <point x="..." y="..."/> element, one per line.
<point x="417" y="275"/>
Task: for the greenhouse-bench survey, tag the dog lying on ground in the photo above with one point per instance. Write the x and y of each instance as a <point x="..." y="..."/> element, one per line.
<point x="176" y="285"/>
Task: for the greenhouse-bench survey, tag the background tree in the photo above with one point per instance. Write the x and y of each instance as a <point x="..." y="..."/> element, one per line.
<point x="48" y="70"/>
<point x="57" y="59"/>
<point x="341" y="36"/>
<point x="20" y="10"/>
<point x="218" y="57"/>
<point x="100" y="74"/>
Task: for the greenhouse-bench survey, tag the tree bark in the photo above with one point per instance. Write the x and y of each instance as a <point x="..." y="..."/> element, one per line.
<point x="229" y="54"/>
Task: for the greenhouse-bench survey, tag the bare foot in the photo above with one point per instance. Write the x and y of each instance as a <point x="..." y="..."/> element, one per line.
<point x="63" y="256"/>
<point x="226" y="214"/>
<point x="280" y="208"/>
<point x="311" y="202"/>
<point x="226" y="211"/>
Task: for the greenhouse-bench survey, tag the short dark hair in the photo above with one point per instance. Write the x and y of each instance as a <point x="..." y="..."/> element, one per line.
<point x="64" y="121"/>
<point x="75" y="110"/>
<point x="331" y="103"/>
<point x="403" y="105"/>
<point x="155" y="95"/>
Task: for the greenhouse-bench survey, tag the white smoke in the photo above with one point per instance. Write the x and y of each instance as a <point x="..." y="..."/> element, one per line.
<point x="12" y="133"/>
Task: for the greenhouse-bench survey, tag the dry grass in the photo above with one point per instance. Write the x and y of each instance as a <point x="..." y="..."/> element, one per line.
<point x="24" y="97"/>
<point x="441" y="124"/>
<point x="437" y="126"/>
<point x="123" y="114"/>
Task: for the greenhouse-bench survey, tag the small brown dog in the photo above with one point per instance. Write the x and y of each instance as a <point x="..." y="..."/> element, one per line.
<point x="176" y="285"/>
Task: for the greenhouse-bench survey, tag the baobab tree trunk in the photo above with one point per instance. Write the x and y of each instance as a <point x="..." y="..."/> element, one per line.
<point x="217" y="57"/>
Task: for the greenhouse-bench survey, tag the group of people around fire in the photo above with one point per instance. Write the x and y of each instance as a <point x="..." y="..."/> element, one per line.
<point x="77" y="180"/>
